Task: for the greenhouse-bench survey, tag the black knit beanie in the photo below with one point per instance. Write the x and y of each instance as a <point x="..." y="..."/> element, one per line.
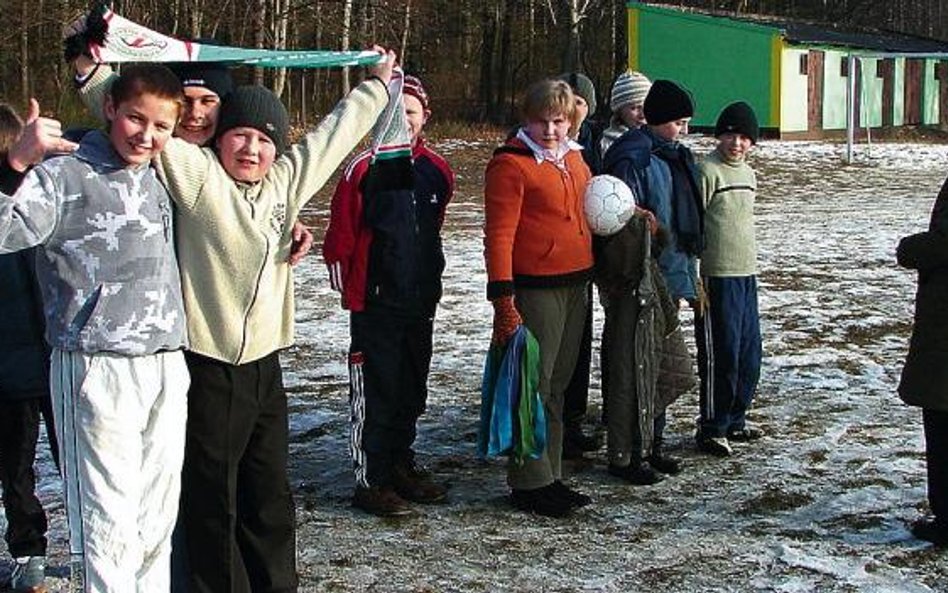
<point x="738" y="118"/>
<point x="581" y="86"/>
<point x="665" y="102"/>
<point x="256" y="107"/>
<point x="213" y="76"/>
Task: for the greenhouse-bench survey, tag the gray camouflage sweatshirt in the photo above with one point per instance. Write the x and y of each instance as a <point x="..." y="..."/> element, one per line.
<point x="107" y="266"/>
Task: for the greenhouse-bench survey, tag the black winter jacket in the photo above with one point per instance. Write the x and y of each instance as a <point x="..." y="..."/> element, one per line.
<point x="24" y="355"/>
<point x="924" y="380"/>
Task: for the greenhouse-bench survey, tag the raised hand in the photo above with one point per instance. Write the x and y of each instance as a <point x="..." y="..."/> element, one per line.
<point x="41" y="136"/>
<point x="383" y="69"/>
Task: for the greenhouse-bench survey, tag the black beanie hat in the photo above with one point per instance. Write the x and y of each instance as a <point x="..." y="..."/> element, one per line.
<point x="213" y="76"/>
<point x="256" y="107"/>
<point x="665" y="102"/>
<point x="739" y="118"/>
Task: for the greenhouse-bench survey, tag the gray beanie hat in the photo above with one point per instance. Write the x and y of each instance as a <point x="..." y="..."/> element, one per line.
<point x="630" y="87"/>
<point x="581" y="86"/>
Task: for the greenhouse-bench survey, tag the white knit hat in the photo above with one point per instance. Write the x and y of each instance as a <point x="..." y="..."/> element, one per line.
<point x="629" y="88"/>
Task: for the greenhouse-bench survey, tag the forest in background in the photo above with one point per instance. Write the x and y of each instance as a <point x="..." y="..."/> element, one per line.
<point x="474" y="55"/>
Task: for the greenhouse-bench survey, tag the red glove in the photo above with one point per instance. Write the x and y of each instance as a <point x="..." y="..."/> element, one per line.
<point x="506" y="319"/>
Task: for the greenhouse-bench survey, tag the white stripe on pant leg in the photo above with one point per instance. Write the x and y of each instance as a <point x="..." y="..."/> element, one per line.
<point x="709" y="366"/>
<point x="62" y="389"/>
<point x="357" y="422"/>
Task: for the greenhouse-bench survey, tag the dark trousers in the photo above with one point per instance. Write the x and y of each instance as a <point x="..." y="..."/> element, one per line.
<point x="729" y="353"/>
<point x="19" y="432"/>
<point x="576" y="396"/>
<point x="389" y="359"/>
<point x="936" y="458"/>
<point x="236" y="507"/>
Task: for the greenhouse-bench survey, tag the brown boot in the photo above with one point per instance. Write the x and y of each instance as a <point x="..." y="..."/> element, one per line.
<point x="381" y="501"/>
<point x="415" y="484"/>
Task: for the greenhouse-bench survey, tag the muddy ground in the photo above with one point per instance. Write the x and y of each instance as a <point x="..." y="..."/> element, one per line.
<point x="820" y="504"/>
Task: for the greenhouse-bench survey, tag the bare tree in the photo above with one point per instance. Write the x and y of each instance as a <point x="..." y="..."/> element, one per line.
<point x="281" y="11"/>
<point x="406" y="27"/>
<point x="346" y="40"/>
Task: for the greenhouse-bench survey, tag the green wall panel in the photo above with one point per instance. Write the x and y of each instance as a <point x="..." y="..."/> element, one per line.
<point x="929" y="94"/>
<point x="834" y="91"/>
<point x="870" y="112"/>
<point x="719" y="61"/>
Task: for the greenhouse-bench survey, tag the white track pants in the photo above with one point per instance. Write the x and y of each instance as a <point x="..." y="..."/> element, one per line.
<point x="121" y="426"/>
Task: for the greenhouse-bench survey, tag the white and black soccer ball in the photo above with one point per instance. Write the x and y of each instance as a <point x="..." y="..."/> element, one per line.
<point x="608" y="204"/>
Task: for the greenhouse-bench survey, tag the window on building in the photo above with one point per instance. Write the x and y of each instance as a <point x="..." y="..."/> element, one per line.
<point x="941" y="71"/>
<point x="844" y="67"/>
<point x="804" y="64"/>
<point x="881" y="67"/>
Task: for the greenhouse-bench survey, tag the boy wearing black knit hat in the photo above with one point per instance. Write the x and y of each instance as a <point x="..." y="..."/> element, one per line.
<point x="728" y="334"/>
<point x="662" y="175"/>
<point x="206" y="85"/>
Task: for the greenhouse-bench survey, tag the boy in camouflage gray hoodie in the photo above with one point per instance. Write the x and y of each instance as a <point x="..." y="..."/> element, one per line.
<point x="115" y="321"/>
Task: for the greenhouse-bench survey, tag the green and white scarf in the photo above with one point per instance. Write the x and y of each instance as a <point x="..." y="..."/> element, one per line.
<point x="126" y="41"/>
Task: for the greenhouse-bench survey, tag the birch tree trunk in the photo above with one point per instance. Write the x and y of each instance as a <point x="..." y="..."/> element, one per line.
<point x="406" y="26"/>
<point x="281" y="9"/>
<point x="346" y="40"/>
<point x="259" y="22"/>
<point x="25" y="53"/>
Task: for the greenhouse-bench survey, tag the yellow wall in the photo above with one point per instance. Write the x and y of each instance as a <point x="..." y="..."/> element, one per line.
<point x="794" y="100"/>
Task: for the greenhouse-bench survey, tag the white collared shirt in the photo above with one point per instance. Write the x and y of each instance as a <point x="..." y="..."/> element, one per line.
<point x="541" y="154"/>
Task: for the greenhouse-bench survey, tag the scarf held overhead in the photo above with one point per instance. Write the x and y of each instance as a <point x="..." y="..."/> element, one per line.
<point x="115" y="39"/>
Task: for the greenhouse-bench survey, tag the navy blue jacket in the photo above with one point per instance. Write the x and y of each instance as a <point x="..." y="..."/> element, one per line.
<point x="632" y="159"/>
<point x="404" y="203"/>
<point x="24" y="355"/>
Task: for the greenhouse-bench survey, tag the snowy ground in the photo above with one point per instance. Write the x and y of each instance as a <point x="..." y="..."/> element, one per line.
<point x="821" y="504"/>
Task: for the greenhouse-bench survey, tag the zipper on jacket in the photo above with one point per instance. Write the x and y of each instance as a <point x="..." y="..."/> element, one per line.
<point x="256" y="286"/>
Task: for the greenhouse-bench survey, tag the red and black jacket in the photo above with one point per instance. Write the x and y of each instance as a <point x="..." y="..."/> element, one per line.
<point x="383" y="245"/>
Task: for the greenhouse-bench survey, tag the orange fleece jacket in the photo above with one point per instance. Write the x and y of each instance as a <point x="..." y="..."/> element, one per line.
<point x="535" y="233"/>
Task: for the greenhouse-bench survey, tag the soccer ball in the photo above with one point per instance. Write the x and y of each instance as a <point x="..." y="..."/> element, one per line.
<point x="608" y="204"/>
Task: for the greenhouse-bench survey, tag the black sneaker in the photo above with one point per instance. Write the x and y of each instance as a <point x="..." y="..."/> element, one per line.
<point x="574" y="498"/>
<point x="571" y="451"/>
<point x="381" y="501"/>
<point x="932" y="531"/>
<point x="638" y="474"/>
<point x="580" y="440"/>
<point x="542" y="501"/>
<point x="717" y="446"/>
<point x="745" y="435"/>
<point x="663" y="463"/>
<point x="413" y="483"/>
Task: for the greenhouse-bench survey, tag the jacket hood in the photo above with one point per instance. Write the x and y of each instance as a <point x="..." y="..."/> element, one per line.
<point x="96" y="149"/>
<point x="633" y="145"/>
